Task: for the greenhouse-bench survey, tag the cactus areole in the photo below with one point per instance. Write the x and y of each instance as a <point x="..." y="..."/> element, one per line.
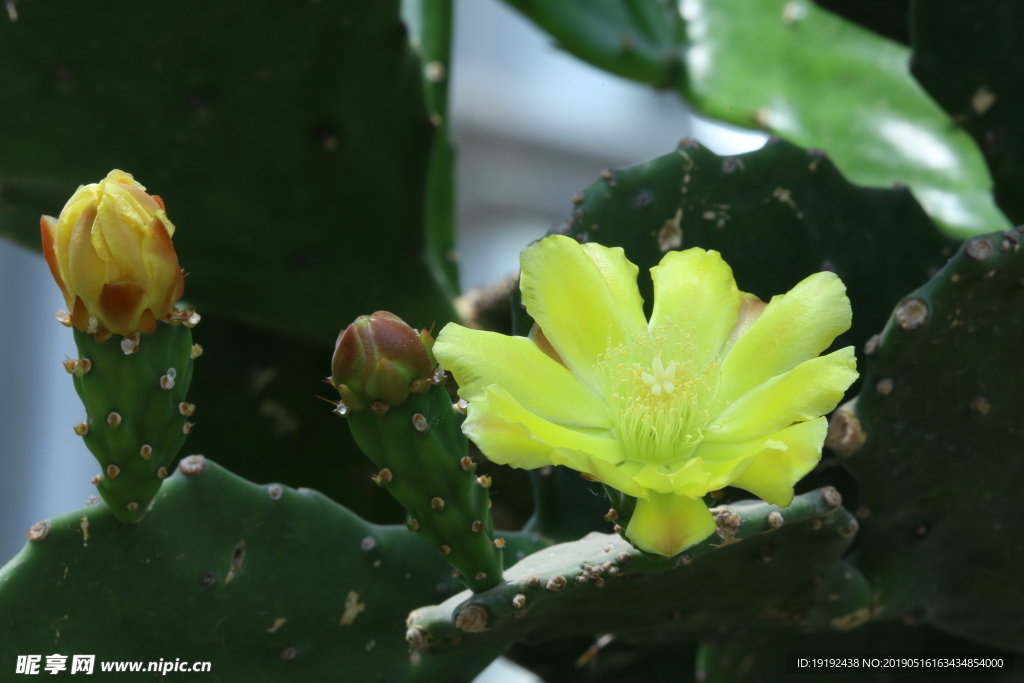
<point x="717" y="389"/>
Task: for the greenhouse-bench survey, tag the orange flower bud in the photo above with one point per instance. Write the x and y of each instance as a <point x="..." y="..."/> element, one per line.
<point x="377" y="358"/>
<point x="110" y="252"/>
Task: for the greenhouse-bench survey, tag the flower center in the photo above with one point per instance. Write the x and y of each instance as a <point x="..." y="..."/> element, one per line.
<point x="662" y="379"/>
<point x="661" y="399"/>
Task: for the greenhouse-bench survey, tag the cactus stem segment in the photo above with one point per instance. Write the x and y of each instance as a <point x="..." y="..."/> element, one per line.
<point x="433" y="469"/>
<point x="143" y="411"/>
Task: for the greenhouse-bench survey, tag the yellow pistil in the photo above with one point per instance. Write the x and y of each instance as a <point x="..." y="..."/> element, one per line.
<point x="659" y="410"/>
<point x="662" y="378"/>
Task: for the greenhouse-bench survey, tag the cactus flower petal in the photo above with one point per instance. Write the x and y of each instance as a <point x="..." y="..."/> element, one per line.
<point x="598" y="469"/>
<point x="718" y="389"/>
<point x="48" y="227"/>
<point x="597" y="442"/>
<point x="793" y="328"/>
<point x="665" y="523"/>
<point x="506" y="443"/>
<point x="518" y="365"/>
<point x="772" y="475"/>
<point x="813" y="388"/>
<point x="696" y="287"/>
<point x="584" y="299"/>
<point x="110" y="253"/>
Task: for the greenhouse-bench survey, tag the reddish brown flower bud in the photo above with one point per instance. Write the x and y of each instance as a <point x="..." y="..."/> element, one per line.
<point x="378" y="358"/>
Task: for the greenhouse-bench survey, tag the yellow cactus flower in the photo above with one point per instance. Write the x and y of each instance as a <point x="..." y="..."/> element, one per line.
<point x="717" y="389"/>
<point x="110" y="252"/>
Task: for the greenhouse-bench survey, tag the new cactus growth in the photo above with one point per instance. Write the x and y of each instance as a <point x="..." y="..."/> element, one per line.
<point x="138" y="412"/>
<point x="379" y="359"/>
<point x="110" y="253"/>
<point x="411" y="433"/>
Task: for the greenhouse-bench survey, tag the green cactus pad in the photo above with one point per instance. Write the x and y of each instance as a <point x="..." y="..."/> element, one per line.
<point x="966" y="55"/>
<point x="426" y="456"/>
<point x="933" y="441"/>
<point x="431" y="23"/>
<point x="266" y="582"/>
<point x="779" y="562"/>
<point x="136" y="406"/>
<point x="746" y="62"/>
